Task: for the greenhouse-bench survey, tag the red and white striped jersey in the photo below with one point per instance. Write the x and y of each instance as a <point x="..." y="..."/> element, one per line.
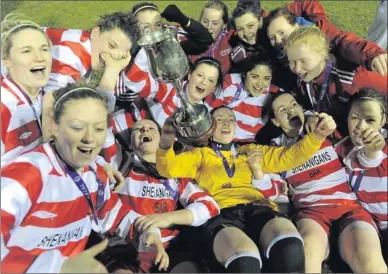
<point x="148" y="195"/>
<point x="161" y="110"/>
<point x="71" y="54"/>
<point x="232" y="89"/>
<point x="369" y="183"/>
<point x="247" y="109"/>
<point x="20" y="120"/>
<point x="321" y="181"/>
<point x="44" y="216"/>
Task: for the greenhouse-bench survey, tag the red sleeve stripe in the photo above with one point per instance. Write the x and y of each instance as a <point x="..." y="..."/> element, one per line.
<point x="213" y="210"/>
<point x="135" y="74"/>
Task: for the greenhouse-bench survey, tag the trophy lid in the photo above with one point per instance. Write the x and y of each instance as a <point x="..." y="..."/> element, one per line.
<point x="154" y="37"/>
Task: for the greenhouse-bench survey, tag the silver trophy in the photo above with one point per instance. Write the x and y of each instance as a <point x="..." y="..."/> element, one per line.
<point x="168" y="63"/>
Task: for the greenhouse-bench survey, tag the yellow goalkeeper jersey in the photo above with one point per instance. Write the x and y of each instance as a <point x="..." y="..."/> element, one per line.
<point x="206" y="167"/>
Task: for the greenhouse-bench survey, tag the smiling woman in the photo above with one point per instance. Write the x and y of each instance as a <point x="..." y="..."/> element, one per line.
<point x="204" y="79"/>
<point x="326" y="82"/>
<point x="77" y="53"/>
<point x="215" y="18"/>
<point x="59" y="193"/>
<point x="246" y="91"/>
<point x="156" y="202"/>
<point x="81" y="119"/>
<point x="247" y="19"/>
<point x="25" y="51"/>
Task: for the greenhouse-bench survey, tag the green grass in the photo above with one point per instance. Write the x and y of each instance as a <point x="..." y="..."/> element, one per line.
<point x="354" y="16"/>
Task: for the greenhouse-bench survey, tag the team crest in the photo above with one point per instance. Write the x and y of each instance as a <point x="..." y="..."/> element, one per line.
<point x="227" y="185"/>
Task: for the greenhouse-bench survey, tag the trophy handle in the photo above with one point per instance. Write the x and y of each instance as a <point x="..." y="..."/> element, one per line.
<point x="189" y="112"/>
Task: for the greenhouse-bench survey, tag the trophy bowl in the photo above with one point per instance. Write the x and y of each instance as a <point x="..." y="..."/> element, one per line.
<point x="166" y="59"/>
<point x="196" y="126"/>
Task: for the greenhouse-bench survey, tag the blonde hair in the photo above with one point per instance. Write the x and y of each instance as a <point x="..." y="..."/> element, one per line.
<point x="12" y="24"/>
<point x="310" y="36"/>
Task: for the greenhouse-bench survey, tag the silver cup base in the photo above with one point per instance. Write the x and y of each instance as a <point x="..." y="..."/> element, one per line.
<point x="194" y="126"/>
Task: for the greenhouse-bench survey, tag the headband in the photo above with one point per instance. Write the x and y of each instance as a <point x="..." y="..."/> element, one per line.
<point x="19" y="26"/>
<point x="209" y="61"/>
<point x="145" y="7"/>
<point x="67" y="93"/>
<point x="370" y="98"/>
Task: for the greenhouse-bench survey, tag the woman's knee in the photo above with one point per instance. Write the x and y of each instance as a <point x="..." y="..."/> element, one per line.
<point x="316" y="243"/>
<point x="231" y="240"/>
<point x="359" y="244"/>
<point x="313" y="235"/>
<point x="274" y="228"/>
<point x="283" y="246"/>
<point x="236" y="251"/>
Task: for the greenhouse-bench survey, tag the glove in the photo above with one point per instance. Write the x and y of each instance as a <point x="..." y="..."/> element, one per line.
<point x="125" y="99"/>
<point x="173" y="14"/>
<point x="128" y="96"/>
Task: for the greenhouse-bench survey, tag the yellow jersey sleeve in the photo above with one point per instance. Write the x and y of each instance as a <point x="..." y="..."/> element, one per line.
<point x="184" y="165"/>
<point x="279" y="159"/>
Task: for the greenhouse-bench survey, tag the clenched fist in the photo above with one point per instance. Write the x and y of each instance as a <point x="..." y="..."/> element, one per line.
<point x="167" y="138"/>
<point x="254" y="158"/>
<point x="325" y="126"/>
<point x="116" y="59"/>
<point x="373" y="142"/>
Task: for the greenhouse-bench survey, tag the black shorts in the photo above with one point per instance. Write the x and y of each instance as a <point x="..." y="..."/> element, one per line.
<point x="384" y="244"/>
<point x="249" y="218"/>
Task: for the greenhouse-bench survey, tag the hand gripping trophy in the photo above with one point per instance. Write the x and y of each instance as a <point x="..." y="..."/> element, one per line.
<point x="168" y="63"/>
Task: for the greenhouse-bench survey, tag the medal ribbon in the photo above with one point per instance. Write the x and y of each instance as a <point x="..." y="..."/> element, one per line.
<point x="229" y="171"/>
<point x="357" y="183"/>
<point x="238" y="92"/>
<point x="28" y="99"/>
<point x="215" y="44"/>
<point x="323" y="87"/>
<point x="79" y="182"/>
